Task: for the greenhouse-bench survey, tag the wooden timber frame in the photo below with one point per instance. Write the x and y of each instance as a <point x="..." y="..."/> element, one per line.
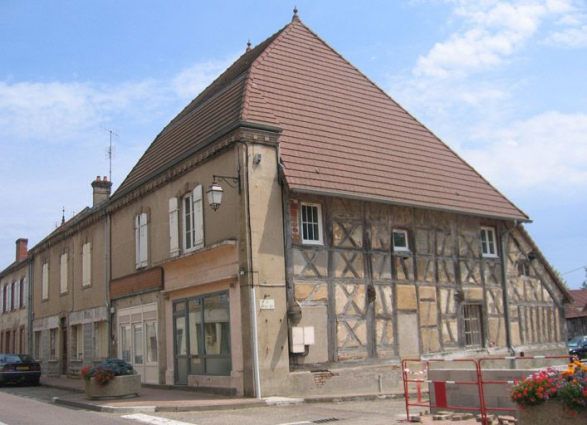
<point x="443" y="271"/>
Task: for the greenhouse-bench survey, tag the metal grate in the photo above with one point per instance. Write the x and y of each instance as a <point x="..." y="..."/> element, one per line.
<point x="324" y="421"/>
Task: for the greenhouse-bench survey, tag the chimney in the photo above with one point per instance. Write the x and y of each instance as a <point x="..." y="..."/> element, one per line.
<point x="101" y="189"/>
<point x="21" y="249"/>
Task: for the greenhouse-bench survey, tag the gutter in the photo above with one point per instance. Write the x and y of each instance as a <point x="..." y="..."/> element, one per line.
<point x="506" y="296"/>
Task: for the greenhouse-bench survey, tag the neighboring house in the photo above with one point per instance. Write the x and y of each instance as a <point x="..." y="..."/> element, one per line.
<point x="576" y="313"/>
<point x="14" y="300"/>
<point x="70" y="298"/>
<point x="348" y="237"/>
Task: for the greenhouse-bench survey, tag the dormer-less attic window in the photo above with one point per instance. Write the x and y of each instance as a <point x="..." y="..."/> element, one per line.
<point x="311" y="224"/>
<point x="400" y="240"/>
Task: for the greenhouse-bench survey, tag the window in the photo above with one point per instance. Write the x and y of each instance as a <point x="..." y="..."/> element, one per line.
<point x="523" y="268"/>
<point x="45" y="281"/>
<point x="87" y="264"/>
<point x="53" y="343"/>
<point x="488" y="245"/>
<point x="63" y="272"/>
<point x="311" y="224"/>
<point x="141" y="240"/>
<point x="77" y="342"/>
<point x="151" y="331"/>
<point x="100" y="340"/>
<point x="193" y="220"/>
<point x="473" y="329"/>
<point x="400" y="240"/>
<point x="2" y="300"/>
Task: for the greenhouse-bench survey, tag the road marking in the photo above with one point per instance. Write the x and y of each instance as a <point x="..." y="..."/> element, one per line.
<point x="153" y="420"/>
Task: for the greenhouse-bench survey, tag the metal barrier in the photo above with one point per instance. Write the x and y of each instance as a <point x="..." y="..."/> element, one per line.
<point x="440" y="386"/>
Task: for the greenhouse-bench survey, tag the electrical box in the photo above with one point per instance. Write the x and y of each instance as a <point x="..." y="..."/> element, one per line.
<point x="300" y="337"/>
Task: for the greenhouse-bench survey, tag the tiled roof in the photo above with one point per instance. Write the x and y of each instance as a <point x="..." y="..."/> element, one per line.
<point x="579" y="306"/>
<point x="341" y="133"/>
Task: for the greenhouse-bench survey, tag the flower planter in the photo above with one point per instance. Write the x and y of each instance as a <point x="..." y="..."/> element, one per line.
<point x="120" y="386"/>
<point x="549" y="413"/>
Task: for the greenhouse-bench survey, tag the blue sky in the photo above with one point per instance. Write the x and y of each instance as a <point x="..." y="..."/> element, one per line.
<point x="502" y="82"/>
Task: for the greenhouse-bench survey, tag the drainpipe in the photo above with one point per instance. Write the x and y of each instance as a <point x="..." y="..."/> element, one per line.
<point x="253" y="300"/>
<point x="107" y="271"/>
<point x="506" y="296"/>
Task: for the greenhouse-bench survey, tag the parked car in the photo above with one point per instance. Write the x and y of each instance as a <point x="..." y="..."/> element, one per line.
<point x="578" y="347"/>
<point x="18" y="368"/>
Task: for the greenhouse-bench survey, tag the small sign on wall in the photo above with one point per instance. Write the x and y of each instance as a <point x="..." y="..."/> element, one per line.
<point x="267" y="304"/>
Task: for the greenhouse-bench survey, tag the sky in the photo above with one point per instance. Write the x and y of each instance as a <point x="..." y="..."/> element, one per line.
<point x="503" y="83"/>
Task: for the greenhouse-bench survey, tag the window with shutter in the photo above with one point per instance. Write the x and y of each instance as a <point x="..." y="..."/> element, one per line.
<point x="173" y="228"/>
<point x="2" y="299"/>
<point x="193" y="220"/>
<point x="87" y="264"/>
<point x="23" y="292"/>
<point x="16" y="295"/>
<point x="9" y="297"/>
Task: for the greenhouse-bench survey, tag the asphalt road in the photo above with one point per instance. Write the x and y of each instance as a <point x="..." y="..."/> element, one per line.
<point x="33" y="406"/>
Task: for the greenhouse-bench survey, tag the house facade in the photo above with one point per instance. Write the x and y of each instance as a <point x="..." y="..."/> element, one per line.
<point x="576" y="314"/>
<point x="14" y="299"/>
<point x="348" y="237"/>
<point x="70" y="298"/>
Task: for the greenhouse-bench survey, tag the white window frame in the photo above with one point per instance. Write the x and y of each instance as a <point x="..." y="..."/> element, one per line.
<point x="9" y="297"/>
<point x="193" y="219"/>
<point x="490" y="239"/>
<point x="405" y="248"/>
<point x="16" y="295"/>
<point x="318" y="223"/>
<point x="64" y="261"/>
<point x="87" y="264"/>
<point x="141" y="240"/>
<point x="45" y="280"/>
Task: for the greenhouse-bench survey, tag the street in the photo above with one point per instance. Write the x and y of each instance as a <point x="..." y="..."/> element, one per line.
<point x="32" y="406"/>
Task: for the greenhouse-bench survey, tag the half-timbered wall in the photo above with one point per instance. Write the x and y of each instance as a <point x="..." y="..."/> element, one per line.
<point x="367" y="301"/>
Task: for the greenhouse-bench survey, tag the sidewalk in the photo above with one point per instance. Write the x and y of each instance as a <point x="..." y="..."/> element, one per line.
<point x="173" y="399"/>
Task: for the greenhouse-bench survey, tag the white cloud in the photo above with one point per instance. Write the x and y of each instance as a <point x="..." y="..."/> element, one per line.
<point x="190" y="82"/>
<point x="546" y="151"/>
<point x="492" y="32"/>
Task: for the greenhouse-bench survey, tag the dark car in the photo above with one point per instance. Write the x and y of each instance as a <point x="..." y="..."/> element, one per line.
<point x="18" y="368"/>
<point x="578" y="347"/>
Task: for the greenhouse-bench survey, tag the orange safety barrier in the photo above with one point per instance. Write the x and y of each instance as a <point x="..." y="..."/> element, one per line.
<point x="440" y="386"/>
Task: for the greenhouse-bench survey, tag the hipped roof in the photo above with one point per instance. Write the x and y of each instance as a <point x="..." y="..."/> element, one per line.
<point x="341" y="134"/>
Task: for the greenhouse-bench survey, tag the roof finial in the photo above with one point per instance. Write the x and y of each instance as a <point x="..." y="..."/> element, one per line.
<point x="295" y="15"/>
<point x="63" y="216"/>
<point x="248" y="45"/>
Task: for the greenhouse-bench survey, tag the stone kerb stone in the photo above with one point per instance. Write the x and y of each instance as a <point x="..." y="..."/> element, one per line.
<point x="120" y="386"/>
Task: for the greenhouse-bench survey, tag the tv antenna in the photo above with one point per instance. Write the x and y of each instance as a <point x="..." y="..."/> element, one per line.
<point x="110" y="151"/>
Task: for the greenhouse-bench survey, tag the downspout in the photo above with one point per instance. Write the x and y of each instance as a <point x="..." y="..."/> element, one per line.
<point x="30" y="305"/>
<point x="253" y="300"/>
<point x="506" y="296"/>
<point x="107" y="271"/>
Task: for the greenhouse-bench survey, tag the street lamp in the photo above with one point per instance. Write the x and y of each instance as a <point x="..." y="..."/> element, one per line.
<point x="215" y="191"/>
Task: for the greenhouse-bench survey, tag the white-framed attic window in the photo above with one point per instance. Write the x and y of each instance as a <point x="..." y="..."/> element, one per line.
<point x="400" y="240"/>
<point x="488" y="242"/>
<point x="311" y="224"/>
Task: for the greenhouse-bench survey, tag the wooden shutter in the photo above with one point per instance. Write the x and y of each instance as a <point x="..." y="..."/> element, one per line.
<point x="2" y="299"/>
<point x="9" y="297"/>
<point x="45" y="281"/>
<point x="143" y="244"/>
<point x="173" y="227"/>
<point x="64" y="273"/>
<point x="198" y="217"/>
<point x="25" y="291"/>
<point x="87" y="264"/>
<point x="16" y="295"/>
